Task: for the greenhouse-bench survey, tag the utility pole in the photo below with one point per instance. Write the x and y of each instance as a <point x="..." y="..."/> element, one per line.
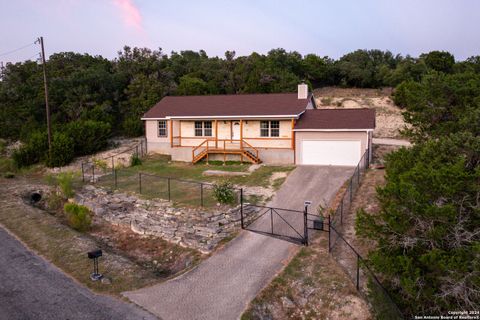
<point x="47" y="108"/>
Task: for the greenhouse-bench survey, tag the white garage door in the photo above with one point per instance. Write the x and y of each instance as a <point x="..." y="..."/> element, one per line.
<point x="331" y="152"/>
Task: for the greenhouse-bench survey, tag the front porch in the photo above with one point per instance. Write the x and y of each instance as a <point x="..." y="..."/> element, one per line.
<point x="225" y="147"/>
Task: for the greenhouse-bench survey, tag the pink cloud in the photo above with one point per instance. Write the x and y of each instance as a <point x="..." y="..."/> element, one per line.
<point x="130" y="13"/>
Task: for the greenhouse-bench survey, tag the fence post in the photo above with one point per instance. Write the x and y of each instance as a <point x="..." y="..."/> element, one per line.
<point x="140" y="182"/>
<point x="305" y="225"/>
<point x="93" y="172"/>
<point x="141" y="148"/>
<point x="358" y="271"/>
<point x="168" y="184"/>
<point x="201" y="194"/>
<point x="115" y="177"/>
<point x="113" y="165"/>
<point x="271" y="218"/>
<point x="136" y="150"/>
<point x="83" y="174"/>
<point x="329" y="233"/>
<point x="358" y="175"/>
<point x="241" y="208"/>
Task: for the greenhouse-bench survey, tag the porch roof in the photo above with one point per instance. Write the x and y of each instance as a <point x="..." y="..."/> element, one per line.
<point x="234" y="105"/>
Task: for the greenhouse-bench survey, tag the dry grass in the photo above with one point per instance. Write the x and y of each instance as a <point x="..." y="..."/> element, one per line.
<point x="389" y="119"/>
<point x="127" y="258"/>
<point x="312" y="286"/>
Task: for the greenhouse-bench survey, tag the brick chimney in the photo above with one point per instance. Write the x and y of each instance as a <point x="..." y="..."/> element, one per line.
<point x="302" y="91"/>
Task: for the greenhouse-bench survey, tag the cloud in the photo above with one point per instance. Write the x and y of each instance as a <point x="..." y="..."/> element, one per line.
<point x="130" y="14"/>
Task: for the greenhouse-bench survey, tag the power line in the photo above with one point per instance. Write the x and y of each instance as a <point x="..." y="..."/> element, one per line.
<point x="15" y="50"/>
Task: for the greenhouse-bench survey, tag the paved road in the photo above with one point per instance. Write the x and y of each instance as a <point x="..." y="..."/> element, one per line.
<point x="31" y="288"/>
<point x="391" y="142"/>
<point x="223" y="285"/>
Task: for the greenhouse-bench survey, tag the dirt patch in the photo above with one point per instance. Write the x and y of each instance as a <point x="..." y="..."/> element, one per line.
<point x="389" y="119"/>
<point x="312" y="286"/>
<point x="127" y="262"/>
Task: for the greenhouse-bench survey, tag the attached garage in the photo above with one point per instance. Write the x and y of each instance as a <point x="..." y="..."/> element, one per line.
<point x="330" y="152"/>
<point x="338" y="137"/>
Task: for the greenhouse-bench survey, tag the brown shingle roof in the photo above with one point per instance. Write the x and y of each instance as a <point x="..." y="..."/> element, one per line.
<point x="273" y="104"/>
<point x="337" y="119"/>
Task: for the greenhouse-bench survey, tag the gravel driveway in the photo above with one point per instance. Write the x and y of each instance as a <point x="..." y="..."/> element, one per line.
<point x="31" y="288"/>
<point x="223" y="285"/>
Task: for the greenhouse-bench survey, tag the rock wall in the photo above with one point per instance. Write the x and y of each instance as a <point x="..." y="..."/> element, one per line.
<point x="198" y="228"/>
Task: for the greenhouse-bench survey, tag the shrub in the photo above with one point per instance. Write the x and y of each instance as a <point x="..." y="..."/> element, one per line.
<point x="102" y="164"/>
<point x="62" y="150"/>
<point x="135" y="160"/>
<point x="65" y="182"/>
<point x="54" y="201"/>
<point x="7" y="165"/>
<point x="88" y="136"/>
<point x="9" y="175"/>
<point x="133" y="127"/>
<point x="224" y="192"/>
<point x="78" y="216"/>
<point x="33" y="151"/>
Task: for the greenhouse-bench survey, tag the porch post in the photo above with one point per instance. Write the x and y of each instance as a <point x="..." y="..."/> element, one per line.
<point x="216" y="134"/>
<point x="171" y="133"/>
<point x="241" y="140"/>
<point x="180" y="132"/>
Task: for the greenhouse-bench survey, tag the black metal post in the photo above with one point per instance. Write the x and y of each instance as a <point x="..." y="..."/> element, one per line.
<point x="93" y="172"/>
<point x="83" y="174"/>
<point x="115" y="177"/>
<point x="113" y="165"/>
<point x="358" y="271"/>
<point x="140" y="182"/>
<point x="329" y="233"/>
<point x="201" y="194"/>
<point x="136" y="150"/>
<point x="241" y="208"/>
<point x="358" y="175"/>
<point x="351" y="179"/>
<point x="271" y="218"/>
<point x="141" y="148"/>
<point x="169" y="197"/>
<point x="305" y="226"/>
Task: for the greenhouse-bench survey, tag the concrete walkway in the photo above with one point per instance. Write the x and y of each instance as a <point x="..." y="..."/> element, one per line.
<point x="223" y="285"/>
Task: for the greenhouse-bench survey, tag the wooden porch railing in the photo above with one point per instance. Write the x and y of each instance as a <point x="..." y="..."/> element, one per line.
<point x="248" y="147"/>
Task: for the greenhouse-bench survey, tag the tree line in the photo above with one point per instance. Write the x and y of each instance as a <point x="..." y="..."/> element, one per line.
<point x="107" y="97"/>
<point x="427" y="232"/>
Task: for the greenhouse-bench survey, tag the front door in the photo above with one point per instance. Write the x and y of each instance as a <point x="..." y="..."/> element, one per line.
<point x="236" y="130"/>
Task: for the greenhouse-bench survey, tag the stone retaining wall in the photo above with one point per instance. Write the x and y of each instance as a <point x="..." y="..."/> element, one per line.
<point x="197" y="228"/>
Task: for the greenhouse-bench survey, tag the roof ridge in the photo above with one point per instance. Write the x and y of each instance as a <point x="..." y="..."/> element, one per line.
<point x="231" y="94"/>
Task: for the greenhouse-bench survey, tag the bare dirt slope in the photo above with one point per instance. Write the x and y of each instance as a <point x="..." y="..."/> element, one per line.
<point x="389" y="117"/>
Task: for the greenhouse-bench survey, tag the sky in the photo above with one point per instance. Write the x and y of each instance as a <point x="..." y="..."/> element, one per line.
<point x="327" y="28"/>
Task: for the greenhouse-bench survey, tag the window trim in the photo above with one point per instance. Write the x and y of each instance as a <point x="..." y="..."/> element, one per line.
<point x="165" y="128"/>
<point x="203" y="128"/>
<point x="269" y="129"/>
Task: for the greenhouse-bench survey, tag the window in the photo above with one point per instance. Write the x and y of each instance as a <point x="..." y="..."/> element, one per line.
<point x="269" y="128"/>
<point x="203" y="128"/>
<point x="162" y="128"/>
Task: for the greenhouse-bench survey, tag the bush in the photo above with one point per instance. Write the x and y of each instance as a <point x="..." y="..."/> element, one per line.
<point x="224" y="192"/>
<point x="133" y="127"/>
<point x="62" y="150"/>
<point x="65" y="182"/>
<point x="78" y="216"/>
<point x="135" y="160"/>
<point x="33" y="151"/>
<point x="88" y="136"/>
<point x="9" y="175"/>
<point x="7" y="165"/>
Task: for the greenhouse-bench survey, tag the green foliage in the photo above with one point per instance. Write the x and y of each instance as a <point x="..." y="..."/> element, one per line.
<point x="7" y="165"/>
<point x="192" y="86"/>
<point x="9" y="175"/>
<point x="88" y="136"/>
<point x="78" y="216"/>
<point x="135" y="160"/>
<point x="224" y="192"/>
<point x="62" y="150"/>
<point x="65" y="182"/>
<point x="133" y="126"/>
<point x="33" y="151"/>
<point x="441" y="61"/>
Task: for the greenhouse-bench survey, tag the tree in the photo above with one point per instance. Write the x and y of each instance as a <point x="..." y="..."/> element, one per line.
<point x="428" y="244"/>
<point x="441" y="61"/>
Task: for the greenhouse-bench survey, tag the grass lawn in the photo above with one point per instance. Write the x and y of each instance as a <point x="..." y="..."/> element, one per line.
<point x="185" y="192"/>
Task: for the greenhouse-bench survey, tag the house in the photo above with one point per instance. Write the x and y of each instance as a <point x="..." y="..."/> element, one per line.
<point x="277" y="128"/>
